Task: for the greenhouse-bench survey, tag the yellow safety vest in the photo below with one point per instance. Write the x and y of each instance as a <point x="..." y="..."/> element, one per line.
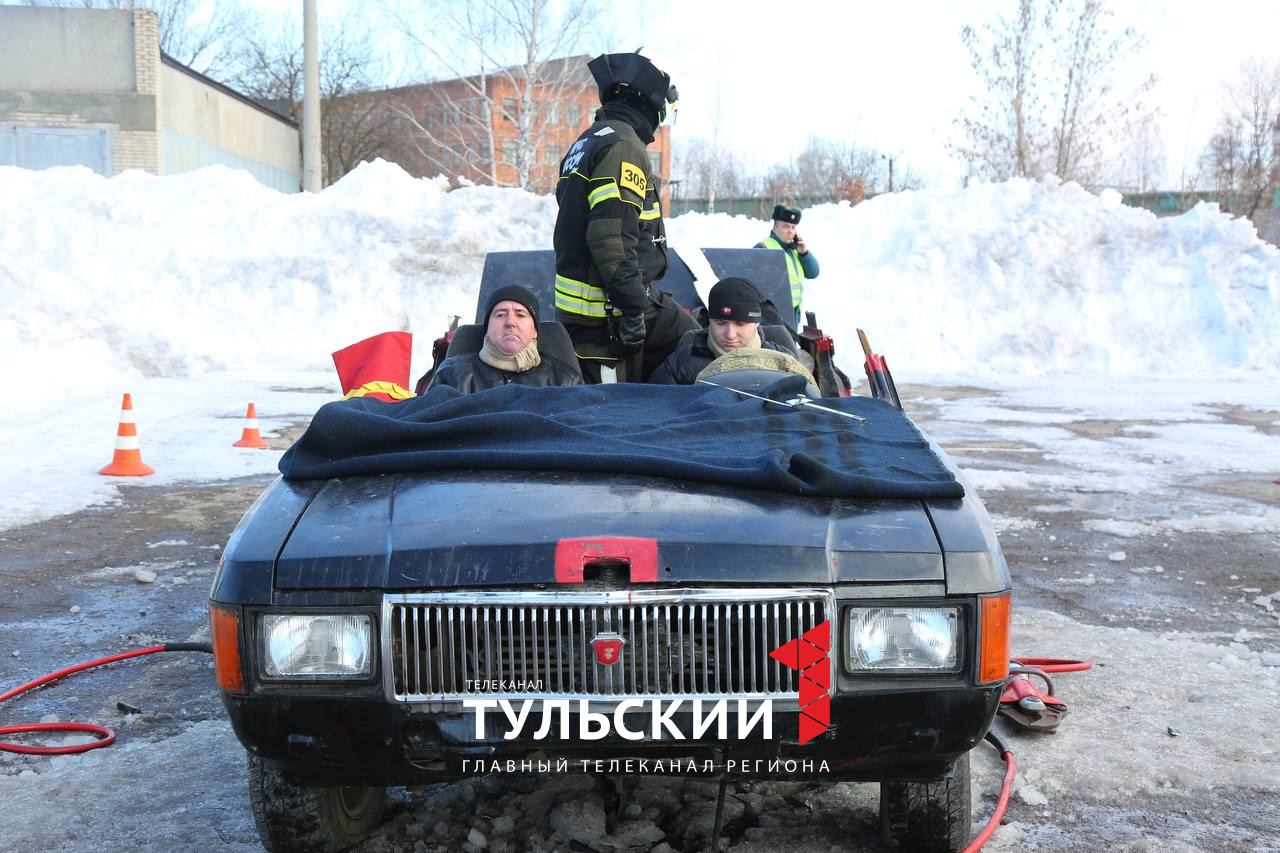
<point x="795" y="272"/>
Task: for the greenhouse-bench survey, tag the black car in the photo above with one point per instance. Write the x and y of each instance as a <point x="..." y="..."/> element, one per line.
<point x="744" y="584"/>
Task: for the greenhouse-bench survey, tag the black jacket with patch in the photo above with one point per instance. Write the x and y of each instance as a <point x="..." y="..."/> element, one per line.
<point x="610" y="242"/>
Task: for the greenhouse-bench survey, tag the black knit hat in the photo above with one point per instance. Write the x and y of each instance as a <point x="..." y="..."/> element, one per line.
<point x="734" y="299"/>
<point x="782" y="213"/>
<point x="515" y="293"/>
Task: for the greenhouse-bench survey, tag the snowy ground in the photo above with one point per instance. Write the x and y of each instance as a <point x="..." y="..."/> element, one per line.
<point x="1140" y="522"/>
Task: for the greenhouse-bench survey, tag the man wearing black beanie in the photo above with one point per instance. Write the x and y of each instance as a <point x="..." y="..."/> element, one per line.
<point x="509" y="354"/>
<point x="733" y="307"/>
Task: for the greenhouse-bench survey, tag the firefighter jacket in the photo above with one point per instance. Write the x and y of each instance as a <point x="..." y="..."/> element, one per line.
<point x="609" y="238"/>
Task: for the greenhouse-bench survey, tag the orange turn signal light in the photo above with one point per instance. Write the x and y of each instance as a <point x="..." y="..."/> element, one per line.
<point x="993" y="638"/>
<point x="224" y="624"/>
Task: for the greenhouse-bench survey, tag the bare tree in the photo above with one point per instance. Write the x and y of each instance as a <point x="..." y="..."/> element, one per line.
<point x="1003" y="130"/>
<point x="826" y="170"/>
<point x="502" y="59"/>
<point x="1141" y="165"/>
<point x="354" y="126"/>
<point x="705" y="173"/>
<point x="1240" y="162"/>
<point x="1048" y="102"/>
<point x="202" y="36"/>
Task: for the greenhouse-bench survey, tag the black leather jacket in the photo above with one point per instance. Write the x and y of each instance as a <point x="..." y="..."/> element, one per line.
<point x="683" y="366"/>
<point x="468" y="373"/>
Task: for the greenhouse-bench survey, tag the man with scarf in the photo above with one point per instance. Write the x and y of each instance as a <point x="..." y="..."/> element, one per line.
<point x="734" y="308"/>
<point x="510" y="350"/>
<point x="610" y="243"/>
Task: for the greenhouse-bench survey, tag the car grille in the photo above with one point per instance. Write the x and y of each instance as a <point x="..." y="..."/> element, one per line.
<point x="674" y="643"/>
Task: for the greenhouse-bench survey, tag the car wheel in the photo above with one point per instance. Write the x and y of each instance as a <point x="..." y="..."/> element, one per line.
<point x="928" y="816"/>
<point x="294" y="817"/>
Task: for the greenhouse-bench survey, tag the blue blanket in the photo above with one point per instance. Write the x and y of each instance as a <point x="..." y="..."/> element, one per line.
<point x="697" y="433"/>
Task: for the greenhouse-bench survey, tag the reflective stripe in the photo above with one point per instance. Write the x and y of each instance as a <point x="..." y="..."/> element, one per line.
<point x="578" y="297"/>
<point x="604" y="192"/>
<point x="391" y="389"/>
<point x="795" y="272"/>
<point x="652" y="213"/>
<point x="574" y="305"/>
<point x="573" y="287"/>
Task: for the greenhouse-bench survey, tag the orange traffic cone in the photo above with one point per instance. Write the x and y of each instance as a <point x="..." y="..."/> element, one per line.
<point x="127" y="461"/>
<point x="251" y="437"/>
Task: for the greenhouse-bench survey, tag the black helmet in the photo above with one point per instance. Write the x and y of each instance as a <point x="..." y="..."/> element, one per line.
<point x="630" y="75"/>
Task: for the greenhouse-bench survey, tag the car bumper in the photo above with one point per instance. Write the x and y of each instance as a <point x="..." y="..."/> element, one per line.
<point x="333" y="740"/>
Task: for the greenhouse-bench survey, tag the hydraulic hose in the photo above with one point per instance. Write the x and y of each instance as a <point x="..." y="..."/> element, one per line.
<point x="1010" y="767"/>
<point x="103" y="736"/>
<point x="1035" y="666"/>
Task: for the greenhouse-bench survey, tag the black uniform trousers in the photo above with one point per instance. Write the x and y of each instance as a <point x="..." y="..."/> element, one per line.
<point x="665" y="322"/>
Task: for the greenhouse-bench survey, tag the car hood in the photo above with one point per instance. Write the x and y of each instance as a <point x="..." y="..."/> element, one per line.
<point x="468" y="529"/>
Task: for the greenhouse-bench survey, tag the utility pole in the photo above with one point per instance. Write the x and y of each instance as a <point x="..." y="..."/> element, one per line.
<point x="310" y="100"/>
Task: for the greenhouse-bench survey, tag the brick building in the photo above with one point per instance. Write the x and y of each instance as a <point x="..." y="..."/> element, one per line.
<point x="454" y="120"/>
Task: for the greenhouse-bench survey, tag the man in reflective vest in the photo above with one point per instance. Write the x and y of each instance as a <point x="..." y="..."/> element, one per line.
<point x="610" y="242"/>
<point x="801" y="263"/>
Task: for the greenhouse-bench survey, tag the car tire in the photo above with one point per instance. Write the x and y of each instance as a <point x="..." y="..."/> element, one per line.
<point x="929" y="817"/>
<point x="293" y="817"/>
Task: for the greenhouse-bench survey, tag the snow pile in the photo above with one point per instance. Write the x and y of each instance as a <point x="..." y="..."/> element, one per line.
<point x="106" y="281"/>
<point x="1032" y="278"/>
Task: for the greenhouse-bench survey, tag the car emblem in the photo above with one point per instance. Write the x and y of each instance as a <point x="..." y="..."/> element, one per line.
<point x="608" y="648"/>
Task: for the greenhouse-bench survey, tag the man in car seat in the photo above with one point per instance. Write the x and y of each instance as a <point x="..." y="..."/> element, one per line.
<point x="734" y="310"/>
<point x="510" y="350"/>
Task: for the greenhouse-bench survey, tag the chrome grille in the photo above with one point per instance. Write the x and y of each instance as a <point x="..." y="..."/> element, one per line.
<point x="697" y="643"/>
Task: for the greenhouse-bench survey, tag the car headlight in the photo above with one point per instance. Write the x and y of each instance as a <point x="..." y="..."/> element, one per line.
<point x="327" y="645"/>
<point x="895" y="639"/>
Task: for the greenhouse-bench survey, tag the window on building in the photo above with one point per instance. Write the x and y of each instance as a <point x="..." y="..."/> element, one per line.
<point x="509" y="109"/>
<point x="509" y="152"/>
<point x="551" y="154"/>
<point x="573" y="111"/>
<point x="553" y="113"/>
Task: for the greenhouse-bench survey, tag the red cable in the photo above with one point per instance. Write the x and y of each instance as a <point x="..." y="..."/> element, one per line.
<point x="994" y="821"/>
<point x="105" y="736"/>
<point x="1055" y="664"/>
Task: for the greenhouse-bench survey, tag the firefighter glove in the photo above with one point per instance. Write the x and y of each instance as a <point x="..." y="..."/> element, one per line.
<point x="631" y="333"/>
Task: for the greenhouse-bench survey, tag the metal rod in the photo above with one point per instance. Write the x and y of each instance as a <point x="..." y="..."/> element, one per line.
<point x="793" y="403"/>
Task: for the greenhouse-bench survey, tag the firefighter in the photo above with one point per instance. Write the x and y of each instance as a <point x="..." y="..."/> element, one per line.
<point x="801" y="263"/>
<point x="610" y="243"/>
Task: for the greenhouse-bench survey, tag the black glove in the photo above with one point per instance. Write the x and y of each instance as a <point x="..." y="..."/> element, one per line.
<point x="631" y="334"/>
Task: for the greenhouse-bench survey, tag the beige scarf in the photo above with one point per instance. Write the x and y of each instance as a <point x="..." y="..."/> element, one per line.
<point x="715" y="347"/>
<point x="526" y="359"/>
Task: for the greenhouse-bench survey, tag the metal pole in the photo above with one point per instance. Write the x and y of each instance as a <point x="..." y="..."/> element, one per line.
<point x="310" y="100"/>
<point x="890" y="174"/>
